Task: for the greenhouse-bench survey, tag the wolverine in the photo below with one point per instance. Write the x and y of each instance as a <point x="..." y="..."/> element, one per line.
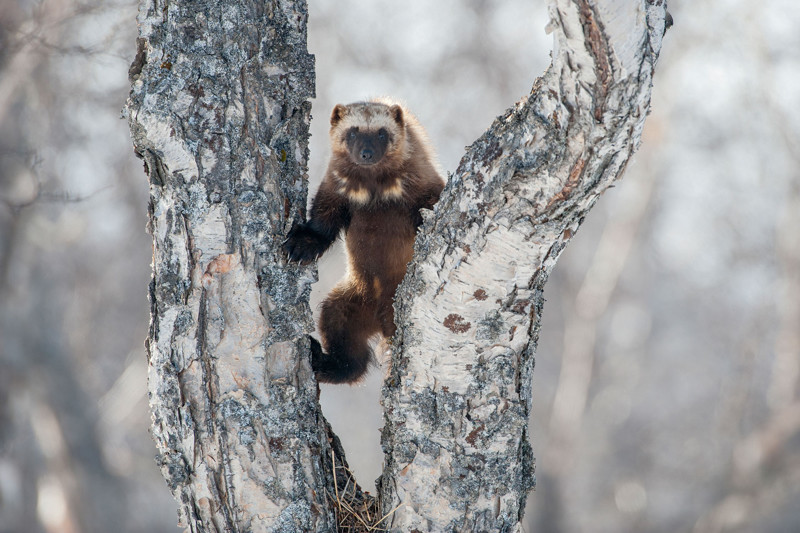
<point x="382" y="171"/>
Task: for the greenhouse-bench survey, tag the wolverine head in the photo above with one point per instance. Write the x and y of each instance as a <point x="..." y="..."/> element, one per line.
<point x="369" y="133"/>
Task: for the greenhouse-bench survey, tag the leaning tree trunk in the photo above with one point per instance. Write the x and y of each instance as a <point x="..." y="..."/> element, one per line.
<point x="458" y="400"/>
<point x="219" y="113"/>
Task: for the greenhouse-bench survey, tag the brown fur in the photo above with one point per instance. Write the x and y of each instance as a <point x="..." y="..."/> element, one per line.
<point x="381" y="173"/>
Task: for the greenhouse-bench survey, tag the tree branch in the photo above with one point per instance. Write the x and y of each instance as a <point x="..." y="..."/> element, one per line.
<point x="458" y="400"/>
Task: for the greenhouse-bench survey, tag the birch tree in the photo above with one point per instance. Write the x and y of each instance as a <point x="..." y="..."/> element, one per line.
<point x="219" y="113"/>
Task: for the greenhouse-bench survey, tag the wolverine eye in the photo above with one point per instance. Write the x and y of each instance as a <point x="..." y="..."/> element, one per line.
<point x="351" y="135"/>
<point x="382" y="135"/>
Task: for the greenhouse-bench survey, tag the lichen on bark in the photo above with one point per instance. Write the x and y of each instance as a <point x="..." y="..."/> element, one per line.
<point x="219" y="112"/>
<point x="468" y="313"/>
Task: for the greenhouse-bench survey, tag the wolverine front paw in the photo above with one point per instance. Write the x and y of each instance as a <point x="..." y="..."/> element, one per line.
<point x="303" y="244"/>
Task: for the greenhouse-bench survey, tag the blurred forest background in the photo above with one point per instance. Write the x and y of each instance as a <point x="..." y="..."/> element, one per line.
<point x="666" y="386"/>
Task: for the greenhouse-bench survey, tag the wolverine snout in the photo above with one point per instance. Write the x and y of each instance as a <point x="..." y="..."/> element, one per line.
<point x="366" y="148"/>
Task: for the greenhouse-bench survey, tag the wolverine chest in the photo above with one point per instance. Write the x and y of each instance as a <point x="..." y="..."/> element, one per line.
<point x="381" y="241"/>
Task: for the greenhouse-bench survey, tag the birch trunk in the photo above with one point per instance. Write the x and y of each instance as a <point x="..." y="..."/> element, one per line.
<point x="219" y="112"/>
<point x="458" y="400"/>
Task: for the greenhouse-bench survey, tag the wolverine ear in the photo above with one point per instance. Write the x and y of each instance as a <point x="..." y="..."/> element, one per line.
<point x="339" y="111"/>
<point x="396" y="112"/>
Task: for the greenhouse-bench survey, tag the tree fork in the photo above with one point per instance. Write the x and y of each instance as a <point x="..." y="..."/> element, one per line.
<point x="219" y="112"/>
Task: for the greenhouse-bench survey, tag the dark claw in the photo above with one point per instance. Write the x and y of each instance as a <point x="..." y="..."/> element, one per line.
<point x="303" y="244"/>
<point x="316" y="352"/>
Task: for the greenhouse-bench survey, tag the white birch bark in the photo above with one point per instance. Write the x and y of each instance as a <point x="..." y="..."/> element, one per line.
<point x="458" y="400"/>
<point x="219" y="112"/>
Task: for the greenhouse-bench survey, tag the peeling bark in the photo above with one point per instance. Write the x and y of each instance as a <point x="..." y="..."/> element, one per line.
<point x="458" y="400"/>
<point x="219" y="112"/>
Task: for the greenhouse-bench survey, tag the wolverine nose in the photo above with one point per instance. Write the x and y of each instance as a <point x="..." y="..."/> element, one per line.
<point x="366" y="154"/>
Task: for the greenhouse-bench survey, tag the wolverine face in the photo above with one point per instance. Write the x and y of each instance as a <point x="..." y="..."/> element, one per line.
<point x="368" y="132"/>
<point x="366" y="147"/>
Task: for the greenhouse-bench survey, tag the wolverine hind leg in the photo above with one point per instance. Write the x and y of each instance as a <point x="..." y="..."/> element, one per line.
<point x="346" y="324"/>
